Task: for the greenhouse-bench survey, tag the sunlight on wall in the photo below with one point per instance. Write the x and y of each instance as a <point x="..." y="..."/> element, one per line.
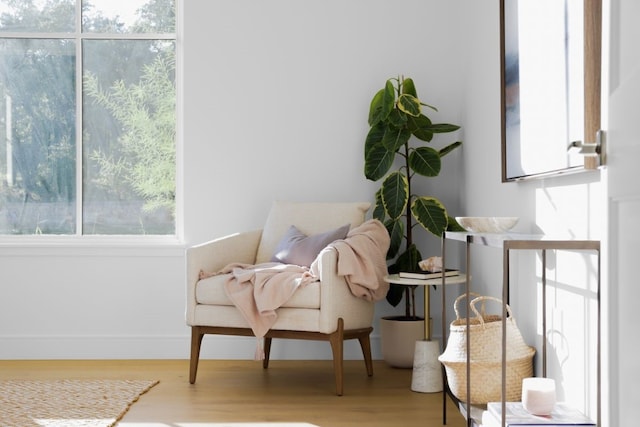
<point x="571" y="212"/>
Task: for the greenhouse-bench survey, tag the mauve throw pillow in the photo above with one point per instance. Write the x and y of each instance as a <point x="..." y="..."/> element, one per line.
<point x="299" y="249"/>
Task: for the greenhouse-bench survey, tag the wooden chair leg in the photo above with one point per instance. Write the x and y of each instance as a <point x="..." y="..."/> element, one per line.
<point x="196" y="342"/>
<point x="365" y="344"/>
<point x="337" y="347"/>
<point x="267" y="351"/>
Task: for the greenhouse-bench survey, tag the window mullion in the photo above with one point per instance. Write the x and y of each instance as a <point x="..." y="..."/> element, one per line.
<point x="79" y="125"/>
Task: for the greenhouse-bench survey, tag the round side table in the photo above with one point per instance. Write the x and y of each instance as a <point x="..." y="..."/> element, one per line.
<point x="427" y="373"/>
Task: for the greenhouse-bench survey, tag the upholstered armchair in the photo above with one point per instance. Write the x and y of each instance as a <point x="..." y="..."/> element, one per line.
<point x="326" y="309"/>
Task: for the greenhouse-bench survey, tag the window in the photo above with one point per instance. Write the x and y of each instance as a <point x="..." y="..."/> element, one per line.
<point x="87" y="117"/>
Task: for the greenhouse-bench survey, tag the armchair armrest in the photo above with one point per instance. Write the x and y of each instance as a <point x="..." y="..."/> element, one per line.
<point x="213" y="255"/>
<point x="336" y="299"/>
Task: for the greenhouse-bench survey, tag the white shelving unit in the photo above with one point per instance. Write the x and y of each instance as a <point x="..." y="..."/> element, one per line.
<point x="508" y="242"/>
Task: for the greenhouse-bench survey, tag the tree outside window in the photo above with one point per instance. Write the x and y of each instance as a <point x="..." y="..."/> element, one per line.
<point x="87" y="119"/>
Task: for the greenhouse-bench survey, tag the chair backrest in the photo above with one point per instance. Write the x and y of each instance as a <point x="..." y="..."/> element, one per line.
<point x="309" y="217"/>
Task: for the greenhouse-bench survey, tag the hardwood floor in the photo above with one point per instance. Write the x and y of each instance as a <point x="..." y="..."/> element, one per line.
<point x="241" y="393"/>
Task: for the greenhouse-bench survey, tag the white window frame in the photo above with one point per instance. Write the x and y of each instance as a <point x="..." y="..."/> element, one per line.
<point x="71" y="243"/>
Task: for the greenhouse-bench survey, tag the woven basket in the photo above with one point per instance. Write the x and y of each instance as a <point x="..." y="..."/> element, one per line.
<point x="485" y="331"/>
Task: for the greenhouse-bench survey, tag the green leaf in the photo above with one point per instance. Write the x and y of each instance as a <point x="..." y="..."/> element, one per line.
<point x="382" y="104"/>
<point x="431" y="214"/>
<point x="443" y="128"/>
<point x="398" y="119"/>
<point x="395" y="194"/>
<point x="395" y="294"/>
<point x="420" y="127"/>
<point x="395" y="138"/>
<point x="409" y="259"/>
<point x="374" y="137"/>
<point x="376" y="113"/>
<point x="425" y="161"/>
<point x="389" y="94"/>
<point x="378" y="211"/>
<point x="429" y="106"/>
<point x="409" y="104"/>
<point x="408" y="87"/>
<point x="395" y="228"/>
<point x="377" y="162"/>
<point x="454" y="225"/>
<point x="449" y="148"/>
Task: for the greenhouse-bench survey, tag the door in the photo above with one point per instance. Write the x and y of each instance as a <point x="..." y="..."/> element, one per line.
<point x="623" y="189"/>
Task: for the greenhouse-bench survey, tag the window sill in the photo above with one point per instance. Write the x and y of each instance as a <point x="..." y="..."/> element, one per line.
<point x="115" y="246"/>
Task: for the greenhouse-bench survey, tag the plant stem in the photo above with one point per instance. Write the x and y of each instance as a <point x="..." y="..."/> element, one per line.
<point x="409" y="294"/>
<point x="413" y="306"/>
<point x="409" y="225"/>
<point x="408" y="297"/>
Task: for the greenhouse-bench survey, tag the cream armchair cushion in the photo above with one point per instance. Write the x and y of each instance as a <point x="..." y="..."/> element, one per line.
<point x="323" y="310"/>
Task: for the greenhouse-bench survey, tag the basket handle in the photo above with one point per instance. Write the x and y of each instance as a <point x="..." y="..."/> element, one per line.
<point x="473" y="302"/>
<point x="462" y="296"/>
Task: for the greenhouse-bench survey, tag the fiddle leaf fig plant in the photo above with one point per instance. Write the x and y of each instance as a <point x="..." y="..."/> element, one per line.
<point x="399" y="130"/>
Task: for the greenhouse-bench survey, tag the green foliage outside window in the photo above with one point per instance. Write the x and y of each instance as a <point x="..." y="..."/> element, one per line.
<point x="127" y="134"/>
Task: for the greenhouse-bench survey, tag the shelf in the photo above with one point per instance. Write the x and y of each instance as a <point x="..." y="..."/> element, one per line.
<point x="518" y="241"/>
<point x="490" y="239"/>
<point x="476" y="413"/>
<point x="522" y="241"/>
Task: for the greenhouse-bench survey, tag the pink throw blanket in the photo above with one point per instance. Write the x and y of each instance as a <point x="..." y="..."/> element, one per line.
<point x="258" y="290"/>
<point x="362" y="260"/>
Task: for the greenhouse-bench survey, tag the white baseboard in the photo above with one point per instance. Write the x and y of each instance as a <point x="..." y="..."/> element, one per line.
<point x="168" y="347"/>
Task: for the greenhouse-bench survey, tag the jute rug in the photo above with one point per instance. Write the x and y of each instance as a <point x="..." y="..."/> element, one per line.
<point x="67" y="403"/>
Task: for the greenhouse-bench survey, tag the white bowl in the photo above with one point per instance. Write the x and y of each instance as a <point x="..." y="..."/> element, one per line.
<point x="487" y="224"/>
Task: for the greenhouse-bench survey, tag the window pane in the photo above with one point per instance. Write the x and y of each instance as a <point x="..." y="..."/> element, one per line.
<point x="37" y="16"/>
<point x="129" y="16"/>
<point x="129" y="137"/>
<point x="37" y="136"/>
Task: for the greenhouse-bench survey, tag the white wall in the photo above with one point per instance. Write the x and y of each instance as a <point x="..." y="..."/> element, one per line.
<point x="73" y="302"/>
<point x="276" y="97"/>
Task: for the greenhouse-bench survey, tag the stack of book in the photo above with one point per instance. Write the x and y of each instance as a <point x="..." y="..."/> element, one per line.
<point x="561" y="416"/>
<point x="424" y="275"/>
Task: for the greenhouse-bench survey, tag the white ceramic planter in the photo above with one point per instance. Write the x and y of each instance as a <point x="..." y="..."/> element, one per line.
<point x="398" y="339"/>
